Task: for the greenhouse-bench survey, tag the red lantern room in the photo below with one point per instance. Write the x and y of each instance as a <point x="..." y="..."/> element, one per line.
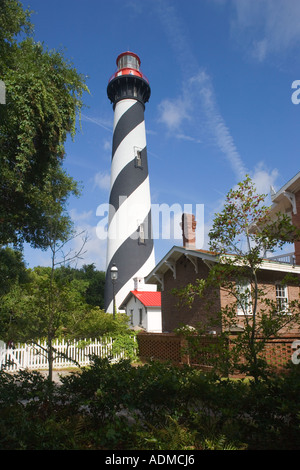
<point x="128" y="81"/>
<point x="128" y="63"/>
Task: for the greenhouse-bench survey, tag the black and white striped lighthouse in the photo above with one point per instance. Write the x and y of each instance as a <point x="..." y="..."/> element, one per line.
<point x="129" y="241"/>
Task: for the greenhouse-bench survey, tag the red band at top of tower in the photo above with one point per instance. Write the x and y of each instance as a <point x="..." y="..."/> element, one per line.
<point x="128" y="64"/>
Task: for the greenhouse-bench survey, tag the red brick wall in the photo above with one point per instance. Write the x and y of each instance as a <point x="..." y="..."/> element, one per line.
<point x="169" y="347"/>
<point x="267" y="283"/>
<point x="174" y="315"/>
<point x="202" y="310"/>
<point x="296" y="222"/>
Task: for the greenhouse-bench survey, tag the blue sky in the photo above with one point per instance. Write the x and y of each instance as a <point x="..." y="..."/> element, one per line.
<point x="220" y="72"/>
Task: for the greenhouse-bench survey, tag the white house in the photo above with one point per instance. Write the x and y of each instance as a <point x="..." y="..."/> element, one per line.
<point x="143" y="306"/>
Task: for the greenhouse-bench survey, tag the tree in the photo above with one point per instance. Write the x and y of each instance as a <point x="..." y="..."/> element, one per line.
<point x="240" y="236"/>
<point x="50" y="307"/>
<point x="52" y="303"/>
<point x="42" y="309"/>
<point x="96" y="280"/>
<point x="43" y="100"/>
<point x="12" y="269"/>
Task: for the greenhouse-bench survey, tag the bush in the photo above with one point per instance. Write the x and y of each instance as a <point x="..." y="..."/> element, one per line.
<point x="156" y="406"/>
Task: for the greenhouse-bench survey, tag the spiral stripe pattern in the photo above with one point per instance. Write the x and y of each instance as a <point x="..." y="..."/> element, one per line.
<point x="130" y="243"/>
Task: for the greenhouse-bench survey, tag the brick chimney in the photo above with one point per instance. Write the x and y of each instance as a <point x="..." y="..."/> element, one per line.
<point x="188" y="226"/>
<point x="296" y="222"/>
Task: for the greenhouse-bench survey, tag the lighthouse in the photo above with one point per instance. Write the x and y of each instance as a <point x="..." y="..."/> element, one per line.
<point x="130" y="246"/>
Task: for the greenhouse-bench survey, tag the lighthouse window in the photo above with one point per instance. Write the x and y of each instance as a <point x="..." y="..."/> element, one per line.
<point x="142" y="233"/>
<point x="138" y="158"/>
<point x="128" y="61"/>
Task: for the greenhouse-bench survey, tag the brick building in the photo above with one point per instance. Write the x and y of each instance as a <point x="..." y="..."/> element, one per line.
<point x="287" y="201"/>
<point x="185" y="264"/>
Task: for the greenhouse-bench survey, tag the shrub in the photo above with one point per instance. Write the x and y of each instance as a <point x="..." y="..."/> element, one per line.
<point x="156" y="407"/>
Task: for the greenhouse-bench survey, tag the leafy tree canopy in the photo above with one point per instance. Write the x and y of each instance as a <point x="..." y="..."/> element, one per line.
<point x="96" y="280"/>
<point x="43" y="302"/>
<point x="12" y="269"/>
<point x="43" y="100"/>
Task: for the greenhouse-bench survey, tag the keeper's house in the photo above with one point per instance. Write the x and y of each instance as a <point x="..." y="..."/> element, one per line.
<point x="143" y="306"/>
<point x="185" y="264"/>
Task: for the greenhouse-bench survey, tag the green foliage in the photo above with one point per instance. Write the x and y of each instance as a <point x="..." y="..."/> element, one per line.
<point x="233" y="231"/>
<point x="43" y="100"/>
<point x="94" y="294"/>
<point x="41" y="308"/>
<point x="97" y="323"/>
<point x="151" y="407"/>
<point x="126" y="343"/>
<point x="12" y="269"/>
<point x="52" y="304"/>
<point x="171" y="436"/>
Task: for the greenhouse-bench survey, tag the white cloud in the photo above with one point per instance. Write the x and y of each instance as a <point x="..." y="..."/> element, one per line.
<point x="94" y="250"/>
<point x="188" y="138"/>
<point x="260" y="50"/>
<point x="76" y="216"/>
<point x="104" y="123"/>
<point x="269" y="27"/>
<point x="223" y="139"/>
<point x="102" y="180"/>
<point x="173" y="113"/>
<point x="198" y="97"/>
<point x="264" y="178"/>
<point x="198" y="102"/>
<point x="107" y="145"/>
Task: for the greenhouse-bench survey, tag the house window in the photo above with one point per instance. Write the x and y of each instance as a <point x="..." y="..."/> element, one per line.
<point x="140" y="316"/>
<point x="131" y="316"/>
<point x="138" y="158"/>
<point x="244" y="300"/>
<point x="281" y="298"/>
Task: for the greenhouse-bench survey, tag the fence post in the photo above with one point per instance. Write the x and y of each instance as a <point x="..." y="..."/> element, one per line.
<point x="26" y="357"/>
<point x="2" y="353"/>
<point x="184" y="351"/>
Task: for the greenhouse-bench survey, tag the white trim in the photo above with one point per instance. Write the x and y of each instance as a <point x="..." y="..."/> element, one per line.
<point x="193" y="260"/>
<point x="244" y="289"/>
<point x="283" y="297"/>
<point x="209" y="259"/>
<point x="294" y="182"/>
<point x="292" y="198"/>
<point x="172" y="266"/>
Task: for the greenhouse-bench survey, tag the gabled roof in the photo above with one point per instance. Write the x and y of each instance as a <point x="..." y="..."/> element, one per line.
<point x="147" y="298"/>
<point x="168" y="262"/>
<point x="283" y="200"/>
<point x="171" y="258"/>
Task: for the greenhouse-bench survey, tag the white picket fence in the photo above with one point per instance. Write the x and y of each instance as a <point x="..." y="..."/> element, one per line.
<point x="30" y="356"/>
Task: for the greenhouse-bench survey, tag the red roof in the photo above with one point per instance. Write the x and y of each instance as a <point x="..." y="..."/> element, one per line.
<point x="148" y="298"/>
